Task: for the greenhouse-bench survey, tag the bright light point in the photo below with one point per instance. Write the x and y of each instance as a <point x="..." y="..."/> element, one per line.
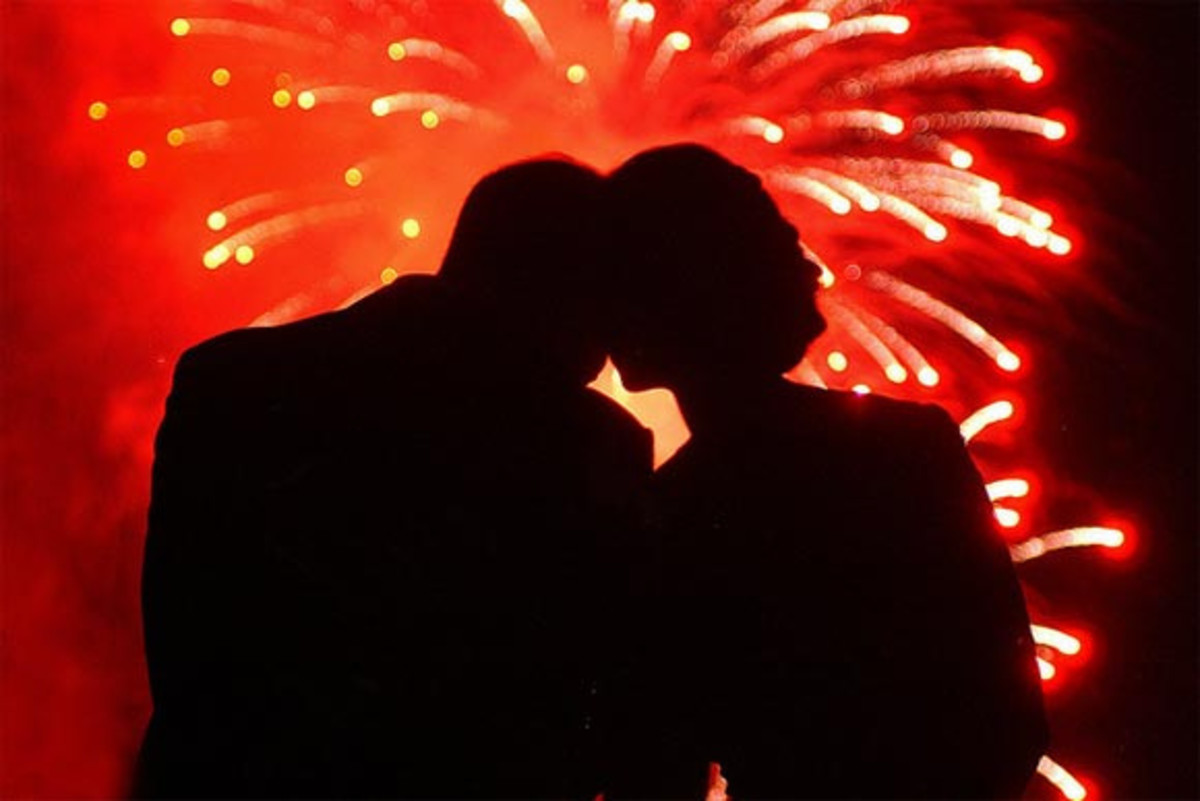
<point x="396" y="52"/>
<point x="176" y="137"/>
<point x="216" y="257"/>
<point x="1059" y="245"/>
<point x="282" y="98"/>
<point x="1032" y="74"/>
<point x="928" y="377"/>
<point x="1008" y="361"/>
<point x="217" y="221"/>
<point x="892" y="125"/>
<point x="679" y="41"/>
<point x="1041" y="219"/>
<point x="1057" y="775"/>
<point x="1008" y="226"/>
<point x="869" y="202"/>
<point x="220" y="76"/>
<point x="1045" y="669"/>
<point x="98" y="110"/>
<point x="860" y="389"/>
<point x="306" y="100"/>
<point x="353" y="176"/>
<point x="837" y="361"/>
<point x="896" y="373"/>
<point x="577" y="73"/>
<point x="1058" y="640"/>
<point x="961" y="159"/>
<point x="244" y="254"/>
<point x="180" y="26"/>
<point x="935" y="232"/>
<point x="1008" y="518"/>
<point x="839" y="205"/>
<point x="411" y="228"/>
<point x="513" y="8"/>
<point x="380" y="107"/>
<point x="137" y="159"/>
<point x="430" y="119"/>
<point x="899" y="25"/>
<point x="772" y="133"/>
<point x="387" y="275"/>
<point x="1054" y="130"/>
<point x="646" y="12"/>
<point x="826" y="278"/>
<point x="1036" y="237"/>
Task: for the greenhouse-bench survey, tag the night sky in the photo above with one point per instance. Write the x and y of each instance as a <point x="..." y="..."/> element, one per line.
<point x="1119" y="406"/>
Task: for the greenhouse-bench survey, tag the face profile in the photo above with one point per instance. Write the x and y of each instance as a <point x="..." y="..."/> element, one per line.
<point x="712" y="277"/>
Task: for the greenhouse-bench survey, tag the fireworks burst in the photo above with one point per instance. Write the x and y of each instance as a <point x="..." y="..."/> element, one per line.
<point x="888" y="131"/>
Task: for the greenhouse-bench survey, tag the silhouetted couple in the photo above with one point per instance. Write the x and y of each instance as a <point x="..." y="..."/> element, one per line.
<point x="402" y="550"/>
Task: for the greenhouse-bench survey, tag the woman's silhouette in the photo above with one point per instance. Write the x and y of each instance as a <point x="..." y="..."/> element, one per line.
<point x="825" y="608"/>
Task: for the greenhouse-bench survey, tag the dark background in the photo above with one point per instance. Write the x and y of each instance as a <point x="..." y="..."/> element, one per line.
<point x="1126" y="393"/>
<point x="1120" y="397"/>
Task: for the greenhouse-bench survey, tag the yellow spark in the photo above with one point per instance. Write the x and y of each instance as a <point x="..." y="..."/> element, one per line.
<point x="306" y="100"/>
<point x="387" y="275"/>
<point x="837" y="361"/>
<point x="220" y="76"/>
<point x="577" y="73"/>
<point x="217" y="221"/>
<point x="430" y="119"/>
<point x="282" y="98"/>
<point x="98" y="110"/>
<point x="353" y="176"/>
<point x="137" y="159"/>
<point x="396" y="52"/>
<point x="180" y="26"/>
<point x="176" y="137"/>
<point x="244" y="254"/>
<point x="411" y="228"/>
<point x="217" y="256"/>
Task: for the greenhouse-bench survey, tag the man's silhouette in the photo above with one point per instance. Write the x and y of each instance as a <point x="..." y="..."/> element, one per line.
<point x="377" y="557"/>
<point x="827" y="609"/>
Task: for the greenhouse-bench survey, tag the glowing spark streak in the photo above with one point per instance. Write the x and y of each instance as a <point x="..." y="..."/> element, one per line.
<point x="204" y="131"/>
<point x="445" y="106"/>
<point x="980" y="419"/>
<point x="761" y="10"/>
<point x="1035" y="216"/>
<point x="436" y="52"/>
<point x="926" y="375"/>
<point x="1057" y="775"/>
<point x="751" y="125"/>
<point x="1007" y="488"/>
<point x="985" y="119"/>
<point x="873" y="345"/>
<point x="864" y="197"/>
<point x="284" y="312"/>
<point x="259" y="34"/>
<point x="1046" y="670"/>
<point x="909" y="213"/>
<point x="826" y="278"/>
<point x="1083" y="536"/>
<point x="528" y="22"/>
<point x="800" y="184"/>
<point x="1008" y="518"/>
<point x="863" y="118"/>
<point x="839" y="32"/>
<point x="945" y="63"/>
<point x="674" y="42"/>
<point x="948" y="316"/>
<point x="249" y="205"/>
<point x="1056" y="639"/>
<point x="742" y="41"/>
<point x="913" y="172"/>
<point x="279" y="227"/>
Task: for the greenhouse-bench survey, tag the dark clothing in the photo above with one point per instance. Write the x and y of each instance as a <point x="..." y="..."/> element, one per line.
<point x="378" y="560"/>
<point x="834" y="615"/>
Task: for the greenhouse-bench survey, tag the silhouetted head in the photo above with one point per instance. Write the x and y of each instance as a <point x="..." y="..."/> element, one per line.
<point x="713" y="282"/>
<point x="524" y="251"/>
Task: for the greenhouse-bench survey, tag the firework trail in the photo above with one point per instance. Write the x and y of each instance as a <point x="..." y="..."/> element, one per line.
<point x="889" y="132"/>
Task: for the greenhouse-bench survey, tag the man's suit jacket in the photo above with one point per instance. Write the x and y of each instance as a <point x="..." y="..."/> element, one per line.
<point x="377" y="553"/>
<point x="835" y="614"/>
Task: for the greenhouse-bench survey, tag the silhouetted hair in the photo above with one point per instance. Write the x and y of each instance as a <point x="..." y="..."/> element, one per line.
<point x="703" y="257"/>
<point x="524" y="249"/>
